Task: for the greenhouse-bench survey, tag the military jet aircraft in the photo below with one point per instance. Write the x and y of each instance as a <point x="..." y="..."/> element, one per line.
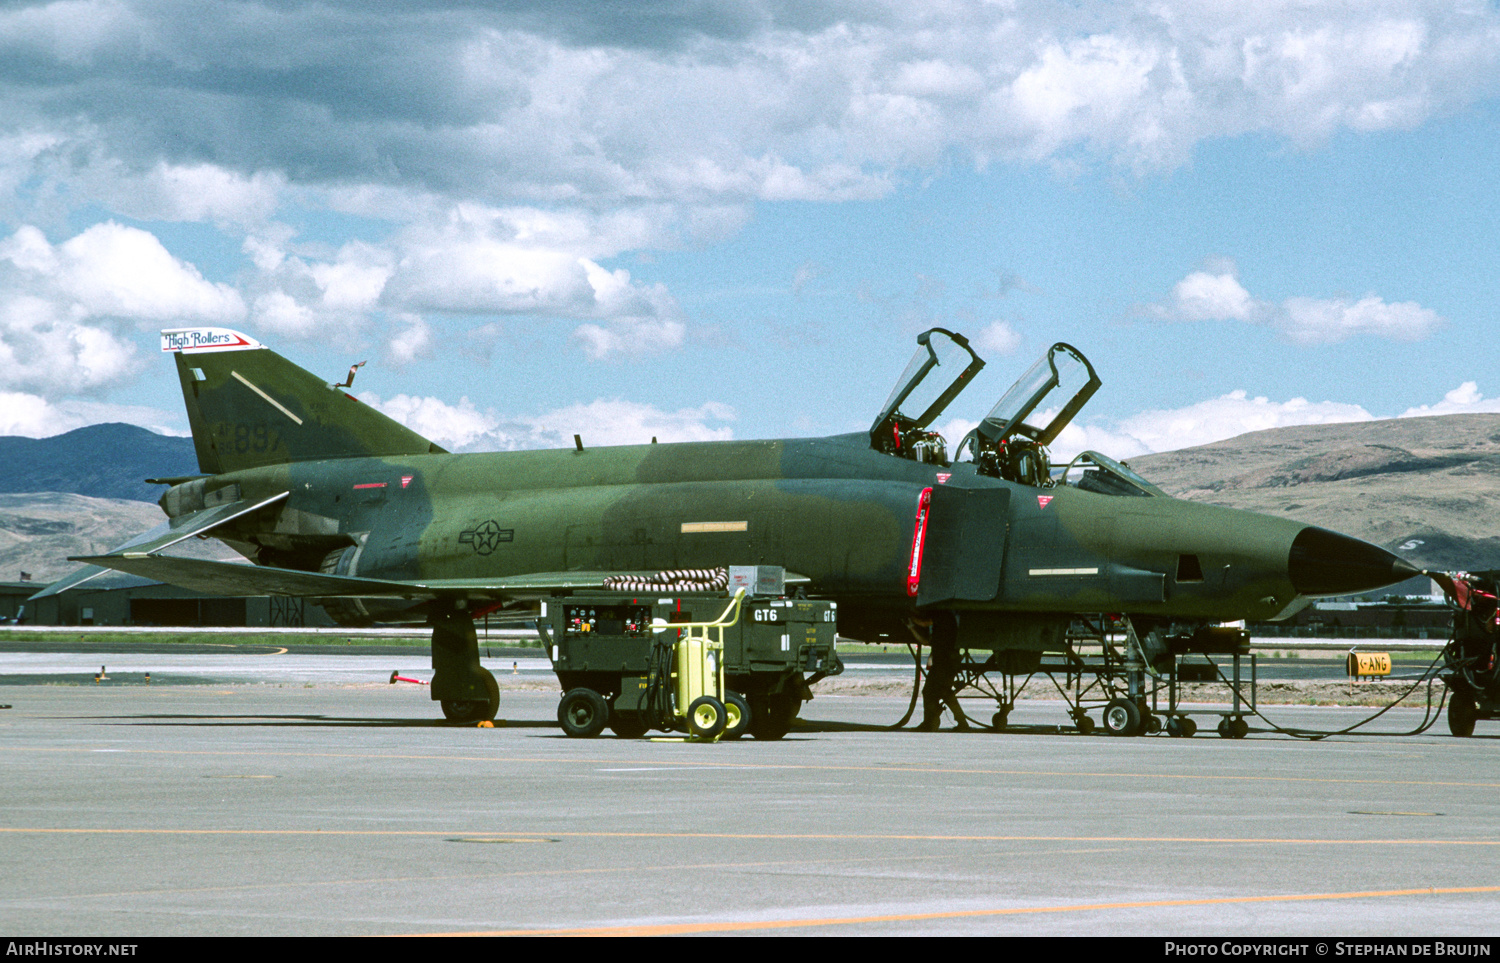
<point x="334" y="501"/>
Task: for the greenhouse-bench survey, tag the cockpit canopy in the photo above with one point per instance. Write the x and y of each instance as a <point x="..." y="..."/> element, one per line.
<point x="1063" y="378"/>
<point x="943" y="366"/>
<point x="1011" y="442"/>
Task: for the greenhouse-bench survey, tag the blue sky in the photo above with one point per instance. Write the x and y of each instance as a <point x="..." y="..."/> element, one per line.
<point x="716" y="220"/>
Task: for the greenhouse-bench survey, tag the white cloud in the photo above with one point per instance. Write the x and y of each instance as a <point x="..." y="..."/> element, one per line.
<point x="180" y="192"/>
<point x="702" y="103"/>
<point x="32" y="416"/>
<point x="1202" y="423"/>
<point x="619" y="422"/>
<point x="1217" y="295"/>
<point x="410" y="342"/>
<point x="454" y="427"/>
<point x="115" y="271"/>
<point x="997" y="338"/>
<point x="1330" y="320"/>
<point x="1202" y="296"/>
<point x="603" y="422"/>
<point x="1464" y="399"/>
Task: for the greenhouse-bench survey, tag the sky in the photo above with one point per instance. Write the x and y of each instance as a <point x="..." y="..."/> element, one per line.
<point x="711" y="220"/>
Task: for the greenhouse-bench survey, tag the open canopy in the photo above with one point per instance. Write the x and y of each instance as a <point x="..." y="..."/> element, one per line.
<point x="942" y="367"/>
<point x="1057" y="387"/>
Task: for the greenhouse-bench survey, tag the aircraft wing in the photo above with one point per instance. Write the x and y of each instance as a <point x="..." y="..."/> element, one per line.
<point x="239" y="579"/>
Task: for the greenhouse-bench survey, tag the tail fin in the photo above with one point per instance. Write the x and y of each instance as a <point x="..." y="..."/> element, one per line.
<point x="248" y="406"/>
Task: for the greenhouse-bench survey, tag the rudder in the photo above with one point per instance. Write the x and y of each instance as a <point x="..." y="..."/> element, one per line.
<point x="248" y="406"/>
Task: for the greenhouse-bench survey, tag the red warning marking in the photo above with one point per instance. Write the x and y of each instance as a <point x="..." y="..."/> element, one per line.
<point x="406" y="480"/>
<point x="372" y="485"/>
<point x="943" y="477"/>
<point x="918" y="537"/>
<point x="1042" y="500"/>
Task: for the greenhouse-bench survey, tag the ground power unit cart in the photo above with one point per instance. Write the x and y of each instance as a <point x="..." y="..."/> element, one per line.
<point x="615" y="655"/>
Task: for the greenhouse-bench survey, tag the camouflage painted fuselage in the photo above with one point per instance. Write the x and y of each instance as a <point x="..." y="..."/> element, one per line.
<point x="828" y="508"/>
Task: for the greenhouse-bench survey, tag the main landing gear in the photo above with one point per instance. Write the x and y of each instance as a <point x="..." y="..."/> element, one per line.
<point x="466" y="690"/>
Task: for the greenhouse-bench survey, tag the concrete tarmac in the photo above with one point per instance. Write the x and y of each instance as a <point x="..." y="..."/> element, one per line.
<point x="320" y="808"/>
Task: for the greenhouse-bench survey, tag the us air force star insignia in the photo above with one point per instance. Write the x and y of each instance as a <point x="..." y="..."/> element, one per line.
<point x="485" y="536"/>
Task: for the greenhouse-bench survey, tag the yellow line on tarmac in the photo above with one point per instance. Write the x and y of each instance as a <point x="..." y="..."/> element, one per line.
<point x="680" y="929"/>
<point x="898" y="837"/>
<point x="700" y="763"/>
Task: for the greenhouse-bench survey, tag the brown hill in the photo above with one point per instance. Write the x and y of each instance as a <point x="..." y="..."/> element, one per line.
<point x="39" y="530"/>
<point x="1425" y="488"/>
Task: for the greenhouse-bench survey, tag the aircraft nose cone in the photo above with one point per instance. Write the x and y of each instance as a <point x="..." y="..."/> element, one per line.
<point x="1327" y="563"/>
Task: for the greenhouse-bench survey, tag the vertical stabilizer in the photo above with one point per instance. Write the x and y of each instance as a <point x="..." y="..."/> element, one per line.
<point x="248" y="406"/>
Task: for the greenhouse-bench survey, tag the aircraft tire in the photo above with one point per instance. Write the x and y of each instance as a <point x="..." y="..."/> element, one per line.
<point x="627" y="725"/>
<point x="465" y="710"/>
<point x="1461" y="714"/>
<point x="706" y="718"/>
<point x="737" y="722"/>
<point x="474" y="710"/>
<point x="582" y="713"/>
<point x="1122" y="718"/>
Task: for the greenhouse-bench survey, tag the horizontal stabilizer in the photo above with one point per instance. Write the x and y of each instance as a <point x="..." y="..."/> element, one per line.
<point x="194" y="523"/>
<point x="78" y="576"/>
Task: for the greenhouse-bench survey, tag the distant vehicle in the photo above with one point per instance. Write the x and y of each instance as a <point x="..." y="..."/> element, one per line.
<point x="995" y="546"/>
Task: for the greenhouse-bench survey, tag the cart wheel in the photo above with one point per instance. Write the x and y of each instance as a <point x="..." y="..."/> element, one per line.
<point x="1189" y="727"/>
<point x="1174" y="726"/>
<point x="1151" y="724"/>
<point x="706" y="718"/>
<point x="582" y="713"/>
<point x="1085" y="724"/>
<point x="771" y="716"/>
<point x="1000" y="719"/>
<point x="1122" y="718"/>
<point x="1461" y="714"/>
<point x="1238" y="728"/>
<point x="627" y="725"/>
<point x="737" y="715"/>
<point x="1223" y="727"/>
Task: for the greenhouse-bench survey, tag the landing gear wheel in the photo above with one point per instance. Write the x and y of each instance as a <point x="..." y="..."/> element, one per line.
<point x="466" y="710"/>
<point x="1122" y="718"/>
<point x="706" y="718"/>
<point x="1000" y="719"/>
<point x="1151" y="724"/>
<point x="582" y="713"/>
<point x="737" y="722"/>
<point x="1085" y="724"/>
<point x="626" y="725"/>
<point x="474" y="710"/>
<point x="1461" y="715"/>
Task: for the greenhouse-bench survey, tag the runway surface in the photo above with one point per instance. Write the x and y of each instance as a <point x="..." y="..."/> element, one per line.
<point x="305" y="806"/>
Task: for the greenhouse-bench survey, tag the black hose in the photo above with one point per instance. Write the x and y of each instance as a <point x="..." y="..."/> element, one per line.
<point x="1429" y="717"/>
